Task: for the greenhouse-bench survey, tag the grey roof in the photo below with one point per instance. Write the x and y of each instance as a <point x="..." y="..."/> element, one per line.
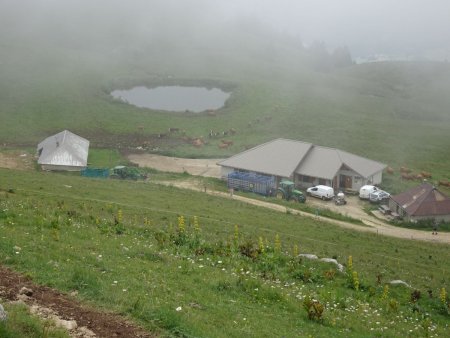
<point x="65" y="149"/>
<point x="283" y="157"/>
<point x="325" y="162"/>
<point x="279" y="157"/>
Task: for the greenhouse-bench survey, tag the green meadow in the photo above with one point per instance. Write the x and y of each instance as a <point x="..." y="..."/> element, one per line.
<point x="184" y="263"/>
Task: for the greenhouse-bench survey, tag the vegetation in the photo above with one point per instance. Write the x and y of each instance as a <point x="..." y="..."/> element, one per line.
<point x="204" y="266"/>
<point x="21" y="323"/>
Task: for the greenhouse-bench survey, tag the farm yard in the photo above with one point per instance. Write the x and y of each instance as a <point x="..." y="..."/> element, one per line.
<point x="170" y="251"/>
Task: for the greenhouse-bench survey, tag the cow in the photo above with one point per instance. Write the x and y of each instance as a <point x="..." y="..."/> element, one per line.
<point x="426" y="174"/>
<point x="174" y="130"/>
<point x="390" y="170"/>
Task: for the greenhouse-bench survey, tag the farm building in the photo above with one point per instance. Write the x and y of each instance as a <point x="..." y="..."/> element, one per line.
<point x="306" y="164"/>
<point x="63" y="151"/>
<point x="421" y="202"/>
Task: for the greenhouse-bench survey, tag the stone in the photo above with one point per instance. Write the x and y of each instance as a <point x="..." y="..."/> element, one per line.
<point x="309" y="256"/>
<point x="3" y="315"/>
<point x="26" y="291"/>
<point x="399" y="282"/>
<point x="339" y="266"/>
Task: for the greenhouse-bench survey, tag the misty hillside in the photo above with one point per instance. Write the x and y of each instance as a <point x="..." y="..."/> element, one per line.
<point x="58" y="64"/>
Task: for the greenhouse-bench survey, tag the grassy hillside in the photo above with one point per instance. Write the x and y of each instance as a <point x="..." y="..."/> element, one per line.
<point x="224" y="268"/>
<point x="392" y="112"/>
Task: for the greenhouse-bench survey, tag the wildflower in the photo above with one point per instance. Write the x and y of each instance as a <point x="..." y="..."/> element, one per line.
<point x="277" y="243"/>
<point x="350" y="263"/>
<point x="196" y="225"/>
<point x="178" y="309"/>
<point x="385" y="292"/>
<point x="236" y="232"/>
<point x="355" y="280"/>
<point x="119" y="216"/>
<point x="181" y="224"/>
<point x="261" y="244"/>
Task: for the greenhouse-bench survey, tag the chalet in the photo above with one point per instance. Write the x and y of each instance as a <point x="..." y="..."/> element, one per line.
<point x="306" y="164"/>
<point x="421" y="202"/>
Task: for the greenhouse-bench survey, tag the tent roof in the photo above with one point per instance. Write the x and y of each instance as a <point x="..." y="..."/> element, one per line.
<point x="65" y="149"/>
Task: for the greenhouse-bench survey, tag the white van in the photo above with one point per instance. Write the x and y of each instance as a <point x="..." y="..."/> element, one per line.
<point x="321" y="191"/>
<point x="366" y="190"/>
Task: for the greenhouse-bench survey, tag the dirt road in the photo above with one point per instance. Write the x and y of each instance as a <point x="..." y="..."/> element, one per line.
<point x="352" y="209"/>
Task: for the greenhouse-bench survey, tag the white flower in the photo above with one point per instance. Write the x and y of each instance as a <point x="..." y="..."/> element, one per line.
<point x="178" y="309"/>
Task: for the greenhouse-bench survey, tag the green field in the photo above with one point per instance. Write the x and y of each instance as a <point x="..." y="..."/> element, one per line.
<point x="121" y="246"/>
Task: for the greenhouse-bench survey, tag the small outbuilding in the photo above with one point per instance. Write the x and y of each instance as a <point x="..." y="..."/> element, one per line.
<point x="64" y="151"/>
<point x="421" y="203"/>
<point x="306" y="164"/>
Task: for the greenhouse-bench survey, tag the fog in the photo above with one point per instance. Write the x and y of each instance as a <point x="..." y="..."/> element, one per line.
<point x="410" y="28"/>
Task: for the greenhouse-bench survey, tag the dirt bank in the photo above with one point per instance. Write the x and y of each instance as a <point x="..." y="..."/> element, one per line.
<point x="199" y="167"/>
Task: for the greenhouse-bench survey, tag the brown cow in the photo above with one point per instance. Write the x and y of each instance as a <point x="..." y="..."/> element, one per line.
<point x="223" y="145"/>
<point x="405" y="170"/>
<point x="426" y="174"/>
<point x="230" y="143"/>
<point x="407" y="177"/>
<point x="390" y="170"/>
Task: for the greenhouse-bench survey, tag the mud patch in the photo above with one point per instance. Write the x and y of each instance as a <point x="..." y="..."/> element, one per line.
<point x="198" y="167"/>
<point x="101" y="323"/>
<point x="16" y="160"/>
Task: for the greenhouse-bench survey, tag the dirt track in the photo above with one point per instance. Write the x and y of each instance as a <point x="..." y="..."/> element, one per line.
<point x="103" y="324"/>
<point x="373" y="224"/>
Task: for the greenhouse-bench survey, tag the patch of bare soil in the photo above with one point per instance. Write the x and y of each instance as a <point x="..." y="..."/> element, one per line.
<point x="16" y="160"/>
<point x="102" y="324"/>
<point x="199" y="167"/>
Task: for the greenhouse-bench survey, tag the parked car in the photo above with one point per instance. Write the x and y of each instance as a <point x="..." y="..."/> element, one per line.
<point x="321" y="191"/>
<point x="379" y="196"/>
<point x="366" y="190"/>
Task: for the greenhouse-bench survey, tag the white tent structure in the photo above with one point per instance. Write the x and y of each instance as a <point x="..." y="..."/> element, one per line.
<point x="64" y="151"/>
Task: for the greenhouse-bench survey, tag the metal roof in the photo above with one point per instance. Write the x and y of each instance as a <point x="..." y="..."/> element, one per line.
<point x="65" y="149"/>
<point x="423" y="200"/>
<point x="279" y="157"/>
<point x="282" y="157"/>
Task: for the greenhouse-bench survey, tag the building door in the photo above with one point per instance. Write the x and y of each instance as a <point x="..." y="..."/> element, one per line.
<point x="345" y="181"/>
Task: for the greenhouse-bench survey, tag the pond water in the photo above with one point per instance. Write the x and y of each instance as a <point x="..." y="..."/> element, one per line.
<point x="174" y="98"/>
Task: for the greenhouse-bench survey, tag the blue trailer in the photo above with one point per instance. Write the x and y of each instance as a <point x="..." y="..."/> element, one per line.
<point x="252" y="182"/>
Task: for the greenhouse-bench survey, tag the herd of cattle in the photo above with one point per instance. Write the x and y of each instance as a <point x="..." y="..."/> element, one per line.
<point x="407" y="174"/>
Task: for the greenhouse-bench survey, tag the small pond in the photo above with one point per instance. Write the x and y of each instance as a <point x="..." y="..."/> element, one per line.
<point x="174" y="98"/>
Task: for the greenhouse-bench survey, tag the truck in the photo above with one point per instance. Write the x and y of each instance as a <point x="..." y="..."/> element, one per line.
<point x="251" y="182"/>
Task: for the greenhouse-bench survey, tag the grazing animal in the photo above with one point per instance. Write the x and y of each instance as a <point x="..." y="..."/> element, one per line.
<point x="444" y="183"/>
<point x="230" y="143"/>
<point x="223" y="145"/>
<point x="161" y="135"/>
<point x="407" y="177"/>
<point x="405" y="170"/>
<point x="426" y="174"/>
<point x="419" y="177"/>
<point x="390" y="170"/>
<point x="174" y="130"/>
<point x="232" y="131"/>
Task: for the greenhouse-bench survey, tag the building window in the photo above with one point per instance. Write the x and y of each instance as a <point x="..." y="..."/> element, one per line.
<point x="322" y="181"/>
<point x="306" y="179"/>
